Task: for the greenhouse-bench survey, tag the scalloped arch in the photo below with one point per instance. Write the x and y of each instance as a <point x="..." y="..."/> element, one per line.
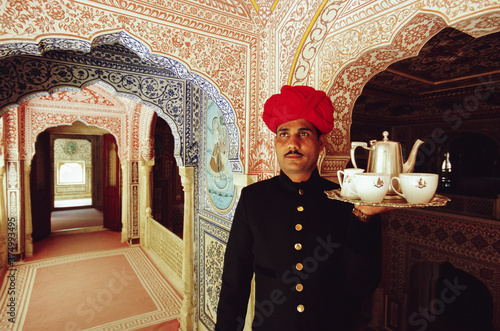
<point x="140" y="48"/>
<point x="34" y="127"/>
<point x="349" y="80"/>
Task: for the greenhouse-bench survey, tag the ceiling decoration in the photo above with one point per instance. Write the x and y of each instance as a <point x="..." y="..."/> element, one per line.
<point x="451" y="69"/>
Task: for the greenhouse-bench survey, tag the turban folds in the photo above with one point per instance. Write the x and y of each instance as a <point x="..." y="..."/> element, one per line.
<point x="296" y="102"/>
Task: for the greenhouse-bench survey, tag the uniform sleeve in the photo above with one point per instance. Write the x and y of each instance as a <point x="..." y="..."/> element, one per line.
<point x="363" y="257"/>
<point x="237" y="273"/>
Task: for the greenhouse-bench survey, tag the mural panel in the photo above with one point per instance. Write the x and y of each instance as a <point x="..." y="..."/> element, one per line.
<point x="219" y="177"/>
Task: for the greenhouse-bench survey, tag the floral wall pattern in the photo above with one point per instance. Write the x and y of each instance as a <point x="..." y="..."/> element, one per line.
<point x="218" y="52"/>
<point x="234" y="53"/>
<point x="348" y="58"/>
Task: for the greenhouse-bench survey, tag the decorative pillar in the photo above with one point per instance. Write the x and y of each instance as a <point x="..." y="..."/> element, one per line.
<point x="133" y="203"/>
<point x="187" y="310"/>
<point x="241" y="181"/>
<point x="14" y="210"/>
<point x="130" y="202"/>
<point x="125" y="200"/>
<point x="28" y="226"/>
<point x="145" y="186"/>
<point x="3" y="218"/>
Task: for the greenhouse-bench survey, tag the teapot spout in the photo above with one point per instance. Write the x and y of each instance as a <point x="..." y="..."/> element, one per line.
<point x="410" y="163"/>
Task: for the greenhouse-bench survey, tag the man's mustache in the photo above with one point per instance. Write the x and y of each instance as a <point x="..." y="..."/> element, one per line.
<point x="293" y="152"/>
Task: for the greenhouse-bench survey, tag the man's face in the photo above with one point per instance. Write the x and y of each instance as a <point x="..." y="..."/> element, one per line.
<point x="297" y="148"/>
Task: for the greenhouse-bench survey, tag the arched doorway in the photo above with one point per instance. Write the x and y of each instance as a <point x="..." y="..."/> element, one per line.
<point x="347" y="61"/>
<point x="152" y="80"/>
<point x="56" y="196"/>
<point x="63" y="109"/>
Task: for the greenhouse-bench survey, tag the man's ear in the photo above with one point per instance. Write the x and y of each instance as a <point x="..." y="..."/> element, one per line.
<point x="322" y="141"/>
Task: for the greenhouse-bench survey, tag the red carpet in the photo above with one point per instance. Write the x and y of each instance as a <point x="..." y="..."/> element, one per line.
<point x="75" y="243"/>
<point x="118" y="289"/>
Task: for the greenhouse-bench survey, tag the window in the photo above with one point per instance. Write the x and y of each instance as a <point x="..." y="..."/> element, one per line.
<point x="70" y="172"/>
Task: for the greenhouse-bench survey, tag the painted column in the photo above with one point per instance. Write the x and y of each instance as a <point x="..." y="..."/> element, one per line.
<point x="125" y="200"/>
<point x="130" y="202"/>
<point x="133" y="203"/>
<point x="241" y="181"/>
<point x="3" y="218"/>
<point x="14" y="210"/>
<point x="145" y="201"/>
<point x="28" y="226"/>
<point x="187" y="310"/>
<point x="3" y="205"/>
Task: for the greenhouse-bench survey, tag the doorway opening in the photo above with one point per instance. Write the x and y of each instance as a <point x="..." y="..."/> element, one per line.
<point x="168" y="195"/>
<point x="72" y="172"/>
<point x="76" y="191"/>
<point x="75" y="181"/>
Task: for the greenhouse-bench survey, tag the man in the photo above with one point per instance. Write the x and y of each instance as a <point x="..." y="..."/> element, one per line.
<point x="313" y="259"/>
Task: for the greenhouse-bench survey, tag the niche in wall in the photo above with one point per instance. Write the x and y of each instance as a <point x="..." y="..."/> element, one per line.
<point x="469" y="164"/>
<point x="449" y="97"/>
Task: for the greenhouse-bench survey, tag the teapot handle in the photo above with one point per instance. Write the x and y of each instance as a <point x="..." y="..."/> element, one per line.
<point x="355" y="144"/>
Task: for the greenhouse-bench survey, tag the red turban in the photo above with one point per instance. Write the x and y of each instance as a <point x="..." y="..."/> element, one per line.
<point x="296" y="102"/>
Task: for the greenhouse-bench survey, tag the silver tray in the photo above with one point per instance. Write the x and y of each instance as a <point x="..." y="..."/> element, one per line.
<point x="436" y="201"/>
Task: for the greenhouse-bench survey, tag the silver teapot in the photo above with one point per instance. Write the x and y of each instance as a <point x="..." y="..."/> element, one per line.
<point x="386" y="157"/>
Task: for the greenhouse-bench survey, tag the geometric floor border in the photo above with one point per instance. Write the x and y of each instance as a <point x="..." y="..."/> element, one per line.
<point x="17" y="286"/>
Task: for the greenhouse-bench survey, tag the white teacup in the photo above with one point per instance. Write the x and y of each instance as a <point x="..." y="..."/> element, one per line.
<point x="416" y="187"/>
<point x="371" y="187"/>
<point x="346" y="178"/>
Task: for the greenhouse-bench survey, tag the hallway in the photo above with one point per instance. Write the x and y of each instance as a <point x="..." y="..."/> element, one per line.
<point x="70" y="220"/>
<point x="87" y="281"/>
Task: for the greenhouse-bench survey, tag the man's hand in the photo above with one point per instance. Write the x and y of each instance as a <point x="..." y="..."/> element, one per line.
<point x="365" y="213"/>
<point x="369" y="210"/>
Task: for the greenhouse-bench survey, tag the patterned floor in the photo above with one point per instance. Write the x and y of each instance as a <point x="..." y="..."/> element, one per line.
<point x="117" y="289"/>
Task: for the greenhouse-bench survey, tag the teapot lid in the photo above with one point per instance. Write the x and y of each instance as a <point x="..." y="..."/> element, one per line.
<point x="385" y="140"/>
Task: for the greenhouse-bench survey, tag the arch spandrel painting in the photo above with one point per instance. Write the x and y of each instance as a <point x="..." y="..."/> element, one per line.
<point x="220" y="184"/>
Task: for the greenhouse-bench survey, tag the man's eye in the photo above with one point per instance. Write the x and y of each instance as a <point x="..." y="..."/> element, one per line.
<point x="283" y="135"/>
<point x="304" y="134"/>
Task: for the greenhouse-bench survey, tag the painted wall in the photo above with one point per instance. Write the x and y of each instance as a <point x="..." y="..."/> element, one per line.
<point x="234" y="56"/>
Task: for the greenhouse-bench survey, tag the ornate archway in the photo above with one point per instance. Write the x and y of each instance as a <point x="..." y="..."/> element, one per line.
<point x="347" y="72"/>
<point x="163" y="83"/>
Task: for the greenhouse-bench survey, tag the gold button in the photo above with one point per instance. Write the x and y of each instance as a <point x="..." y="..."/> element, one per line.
<point x="298" y="246"/>
<point x="299" y="287"/>
<point x="298" y="227"/>
<point x="300" y="308"/>
<point x="299" y="266"/>
<point x="301" y="192"/>
<point x="300" y="208"/>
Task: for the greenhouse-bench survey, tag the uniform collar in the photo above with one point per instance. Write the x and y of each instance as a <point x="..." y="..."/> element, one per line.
<point x="308" y="185"/>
